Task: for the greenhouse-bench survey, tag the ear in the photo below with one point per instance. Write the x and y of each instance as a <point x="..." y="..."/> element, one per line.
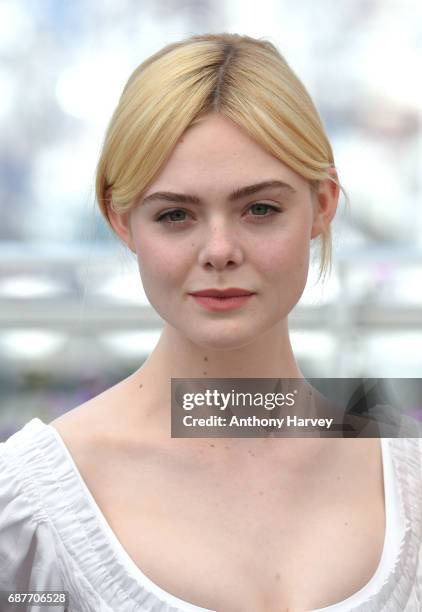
<point x="120" y="222"/>
<point x="325" y="204"/>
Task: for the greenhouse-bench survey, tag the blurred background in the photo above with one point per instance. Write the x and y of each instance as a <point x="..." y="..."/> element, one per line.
<point x="73" y="317"/>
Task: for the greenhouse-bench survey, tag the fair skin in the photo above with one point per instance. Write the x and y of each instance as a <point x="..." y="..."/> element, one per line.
<point x="222" y="244"/>
<point x="253" y="516"/>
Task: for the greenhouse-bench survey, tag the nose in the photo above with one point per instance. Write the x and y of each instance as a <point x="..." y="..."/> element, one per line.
<point x="220" y="247"/>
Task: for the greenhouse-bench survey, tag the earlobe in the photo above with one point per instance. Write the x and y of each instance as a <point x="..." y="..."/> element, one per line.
<point x="325" y="200"/>
<point x="120" y="222"/>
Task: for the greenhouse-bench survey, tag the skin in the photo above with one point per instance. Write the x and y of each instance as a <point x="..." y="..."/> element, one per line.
<point x="223" y="244"/>
<point x="121" y="438"/>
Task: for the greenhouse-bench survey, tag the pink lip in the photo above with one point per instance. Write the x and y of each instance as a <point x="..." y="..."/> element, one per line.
<point x="218" y="304"/>
<point x="230" y="292"/>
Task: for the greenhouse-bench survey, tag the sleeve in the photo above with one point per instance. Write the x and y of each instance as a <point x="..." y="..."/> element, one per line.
<point x="28" y="559"/>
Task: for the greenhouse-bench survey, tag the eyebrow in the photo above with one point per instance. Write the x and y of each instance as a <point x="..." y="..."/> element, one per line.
<point x="237" y="194"/>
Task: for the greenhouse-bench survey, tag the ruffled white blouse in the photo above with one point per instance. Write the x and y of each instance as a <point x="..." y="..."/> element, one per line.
<point x="54" y="537"/>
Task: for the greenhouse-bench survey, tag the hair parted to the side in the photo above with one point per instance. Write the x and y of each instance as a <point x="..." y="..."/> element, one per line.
<point x="244" y="79"/>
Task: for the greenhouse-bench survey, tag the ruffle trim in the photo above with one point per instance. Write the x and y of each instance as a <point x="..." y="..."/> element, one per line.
<point x="405" y="578"/>
<point x="56" y="489"/>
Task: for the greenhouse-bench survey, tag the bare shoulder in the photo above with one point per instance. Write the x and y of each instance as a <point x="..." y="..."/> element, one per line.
<point x="100" y="419"/>
<point x="89" y="414"/>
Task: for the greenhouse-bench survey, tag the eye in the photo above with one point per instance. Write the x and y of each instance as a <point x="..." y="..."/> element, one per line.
<point x="178" y="216"/>
<point x="262" y="208"/>
<point x="172" y="217"/>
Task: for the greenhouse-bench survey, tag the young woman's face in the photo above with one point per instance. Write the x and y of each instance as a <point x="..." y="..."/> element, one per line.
<point x="258" y="242"/>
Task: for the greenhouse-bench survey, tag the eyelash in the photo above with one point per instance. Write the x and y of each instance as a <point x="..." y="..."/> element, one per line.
<point x="163" y="218"/>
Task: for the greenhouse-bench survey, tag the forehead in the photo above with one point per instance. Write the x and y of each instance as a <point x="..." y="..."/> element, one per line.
<point x="217" y="153"/>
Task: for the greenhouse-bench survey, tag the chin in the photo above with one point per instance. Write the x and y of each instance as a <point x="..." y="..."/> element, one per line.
<point x="223" y="340"/>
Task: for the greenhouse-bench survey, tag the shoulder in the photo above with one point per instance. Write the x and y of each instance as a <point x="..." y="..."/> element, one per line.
<point x="406" y="451"/>
<point x="111" y="418"/>
<point x="98" y="414"/>
<point x="105" y="432"/>
<point x="26" y="461"/>
<point x="17" y="454"/>
<point x="26" y="539"/>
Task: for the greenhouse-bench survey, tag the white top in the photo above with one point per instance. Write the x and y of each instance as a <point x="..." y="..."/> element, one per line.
<point x="53" y="536"/>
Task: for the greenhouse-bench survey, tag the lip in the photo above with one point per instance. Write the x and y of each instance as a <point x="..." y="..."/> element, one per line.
<point x="219" y="304"/>
<point x="222" y="293"/>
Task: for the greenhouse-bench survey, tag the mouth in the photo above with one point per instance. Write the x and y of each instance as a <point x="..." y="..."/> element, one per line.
<point x="218" y="301"/>
<point x="232" y="292"/>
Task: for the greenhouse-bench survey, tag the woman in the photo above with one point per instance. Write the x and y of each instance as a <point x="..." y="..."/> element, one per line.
<point x="216" y="172"/>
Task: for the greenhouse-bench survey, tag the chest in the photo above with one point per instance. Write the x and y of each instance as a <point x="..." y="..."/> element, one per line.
<point x="257" y="540"/>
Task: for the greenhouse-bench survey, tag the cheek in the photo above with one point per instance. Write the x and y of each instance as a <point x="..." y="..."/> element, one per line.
<point x="160" y="261"/>
<point x="285" y="257"/>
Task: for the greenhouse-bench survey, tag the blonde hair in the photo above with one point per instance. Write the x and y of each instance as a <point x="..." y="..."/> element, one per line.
<point x="244" y="79"/>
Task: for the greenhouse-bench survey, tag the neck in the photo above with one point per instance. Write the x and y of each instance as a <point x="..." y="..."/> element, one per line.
<point x="176" y="356"/>
<point x="268" y="356"/>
